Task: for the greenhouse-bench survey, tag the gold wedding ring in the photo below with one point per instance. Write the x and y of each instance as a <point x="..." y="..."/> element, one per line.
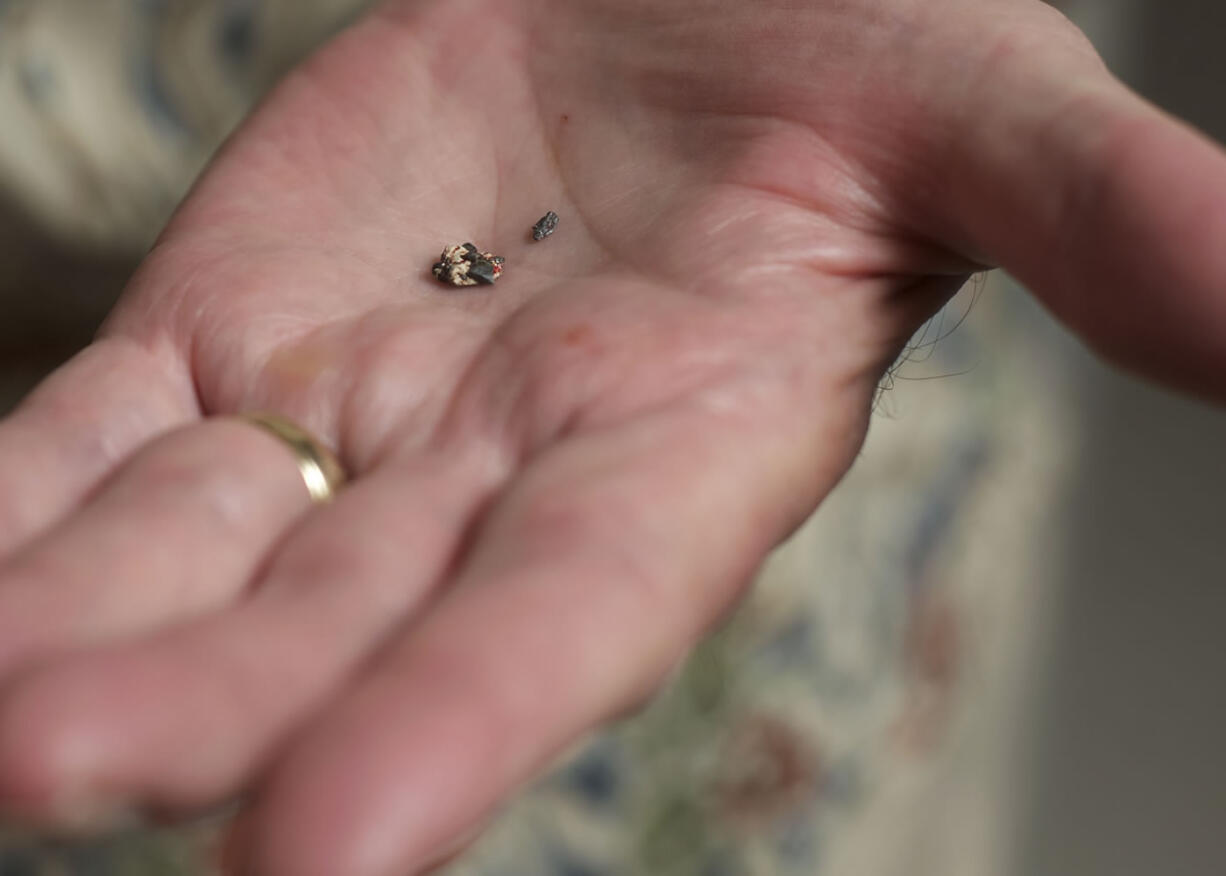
<point x="319" y="468"/>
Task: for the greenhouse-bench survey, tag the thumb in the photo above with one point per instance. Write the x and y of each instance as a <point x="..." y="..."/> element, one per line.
<point x="1112" y="212"/>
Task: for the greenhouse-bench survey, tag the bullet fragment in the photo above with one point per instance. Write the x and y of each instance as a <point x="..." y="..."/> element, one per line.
<point x="465" y="265"/>
<point x="547" y="225"/>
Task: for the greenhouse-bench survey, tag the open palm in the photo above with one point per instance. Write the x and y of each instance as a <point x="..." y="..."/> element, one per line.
<point x="560" y="481"/>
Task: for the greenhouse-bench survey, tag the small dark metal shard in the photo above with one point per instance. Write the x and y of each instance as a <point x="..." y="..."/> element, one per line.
<point x="483" y="271"/>
<point x="546" y="226"/>
<point x="471" y="250"/>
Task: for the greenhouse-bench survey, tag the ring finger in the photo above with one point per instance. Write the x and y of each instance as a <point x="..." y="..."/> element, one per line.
<point x="177" y="531"/>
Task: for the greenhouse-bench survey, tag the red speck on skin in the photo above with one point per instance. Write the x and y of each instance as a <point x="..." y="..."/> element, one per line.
<point x="578" y="335"/>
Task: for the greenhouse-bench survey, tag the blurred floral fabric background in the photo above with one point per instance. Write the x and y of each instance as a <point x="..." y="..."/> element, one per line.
<point x="859" y="713"/>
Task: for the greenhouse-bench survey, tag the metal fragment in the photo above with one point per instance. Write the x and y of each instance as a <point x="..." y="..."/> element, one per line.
<point x="547" y="225"/>
<point x="483" y="271"/>
<point x="465" y="265"/>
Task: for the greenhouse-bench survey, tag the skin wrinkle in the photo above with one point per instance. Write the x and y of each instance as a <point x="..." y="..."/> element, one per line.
<point x="343" y="98"/>
<point x="574" y="212"/>
<point x="297" y="369"/>
<point x="278" y="334"/>
<point x="142" y="324"/>
<point x="937" y="199"/>
<point x="699" y="370"/>
<point x="418" y="425"/>
<point x="865" y="251"/>
<point x="790" y="193"/>
<point x="544" y="79"/>
<point x="180" y="400"/>
<point x="806" y="107"/>
<point x="520" y="415"/>
<point x="861" y="213"/>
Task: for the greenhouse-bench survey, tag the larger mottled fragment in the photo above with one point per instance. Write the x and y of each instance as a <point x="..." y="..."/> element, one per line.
<point x="465" y="265"/>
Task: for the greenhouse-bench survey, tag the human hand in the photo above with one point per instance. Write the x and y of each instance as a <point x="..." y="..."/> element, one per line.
<point x="561" y="481"/>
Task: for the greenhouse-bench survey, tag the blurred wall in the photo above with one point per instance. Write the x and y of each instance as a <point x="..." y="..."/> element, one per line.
<point x="109" y="109"/>
<point x="1128" y="762"/>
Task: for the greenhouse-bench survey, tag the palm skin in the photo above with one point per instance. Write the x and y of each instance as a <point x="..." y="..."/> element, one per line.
<point x="558" y="483"/>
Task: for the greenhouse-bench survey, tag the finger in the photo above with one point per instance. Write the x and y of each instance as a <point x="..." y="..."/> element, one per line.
<point x="589" y="582"/>
<point x="78" y="424"/>
<point x="179" y="530"/>
<point x="1111" y="211"/>
<point x="86" y="739"/>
